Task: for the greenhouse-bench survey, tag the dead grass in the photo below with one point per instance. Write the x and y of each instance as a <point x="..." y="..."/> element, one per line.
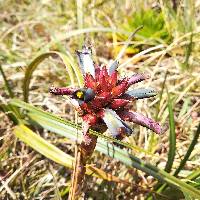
<point x="28" y="28"/>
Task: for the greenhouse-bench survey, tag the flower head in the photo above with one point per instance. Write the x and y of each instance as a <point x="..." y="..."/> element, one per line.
<point x="104" y="101"/>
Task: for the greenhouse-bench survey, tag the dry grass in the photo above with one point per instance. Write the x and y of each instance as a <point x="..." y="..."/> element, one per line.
<point x="28" y="28"/>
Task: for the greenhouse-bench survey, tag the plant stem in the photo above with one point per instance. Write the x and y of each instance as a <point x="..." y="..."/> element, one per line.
<point x="83" y="154"/>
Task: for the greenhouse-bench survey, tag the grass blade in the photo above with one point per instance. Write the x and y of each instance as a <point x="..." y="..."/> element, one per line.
<point x="189" y="151"/>
<point x="53" y="153"/>
<point x="152" y="138"/>
<point x="188" y="52"/>
<point x="123" y="156"/>
<point x="172" y="137"/>
<point x="50" y="120"/>
<point x="8" y="110"/>
<point x="43" y="146"/>
<point x="67" y="59"/>
<point x="194" y="175"/>
<point x="189" y="22"/>
<point x="7" y="85"/>
<point x="76" y="32"/>
<point x="33" y="65"/>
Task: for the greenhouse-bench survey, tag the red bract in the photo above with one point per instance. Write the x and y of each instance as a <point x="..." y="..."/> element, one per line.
<point x="104" y="99"/>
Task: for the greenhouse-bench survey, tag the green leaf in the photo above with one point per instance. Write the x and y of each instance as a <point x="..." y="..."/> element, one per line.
<point x="33" y="65"/>
<point x="195" y="174"/>
<point x="11" y="111"/>
<point x="53" y="153"/>
<point x="172" y="144"/>
<point x="172" y="137"/>
<point x="185" y="107"/>
<point x="189" y="151"/>
<point x="64" y="128"/>
<point x="187" y="197"/>
<point x="49" y="119"/>
<point x="68" y="62"/>
<point x="7" y="85"/>
<point x="43" y="146"/>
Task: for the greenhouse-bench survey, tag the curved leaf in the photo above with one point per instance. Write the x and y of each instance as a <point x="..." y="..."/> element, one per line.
<point x="50" y="120"/>
<point x="172" y="137"/>
<point x="114" y="152"/>
<point x="53" y="153"/>
<point x="43" y="146"/>
<point x="33" y="65"/>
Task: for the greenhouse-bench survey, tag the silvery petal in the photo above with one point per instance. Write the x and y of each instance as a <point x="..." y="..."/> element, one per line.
<point x="114" y="123"/>
<point x="85" y="61"/>
<point x="76" y="102"/>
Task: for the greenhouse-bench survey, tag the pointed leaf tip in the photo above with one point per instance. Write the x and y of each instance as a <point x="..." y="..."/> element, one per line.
<point x="142" y="120"/>
<point x="113" y="67"/>
<point x="137" y="78"/>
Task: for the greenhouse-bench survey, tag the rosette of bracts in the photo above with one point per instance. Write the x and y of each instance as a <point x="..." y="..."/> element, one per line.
<point x="105" y="99"/>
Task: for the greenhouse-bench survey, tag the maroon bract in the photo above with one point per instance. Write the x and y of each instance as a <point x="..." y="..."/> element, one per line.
<point x="104" y="100"/>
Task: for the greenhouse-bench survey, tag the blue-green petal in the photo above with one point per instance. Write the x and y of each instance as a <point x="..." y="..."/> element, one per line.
<point x="142" y="93"/>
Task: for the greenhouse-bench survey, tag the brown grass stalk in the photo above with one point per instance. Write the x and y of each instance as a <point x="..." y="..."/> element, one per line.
<point x="83" y="154"/>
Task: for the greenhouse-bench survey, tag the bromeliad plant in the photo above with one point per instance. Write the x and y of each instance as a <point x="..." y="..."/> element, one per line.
<point x="104" y="102"/>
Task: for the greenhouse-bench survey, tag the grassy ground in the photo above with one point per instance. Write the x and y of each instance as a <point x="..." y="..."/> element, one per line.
<point x="167" y="48"/>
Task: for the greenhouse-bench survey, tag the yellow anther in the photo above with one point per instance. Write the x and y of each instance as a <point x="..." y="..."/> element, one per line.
<point x="79" y="94"/>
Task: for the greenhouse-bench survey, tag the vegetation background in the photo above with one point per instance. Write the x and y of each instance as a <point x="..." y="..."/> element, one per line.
<point x="37" y="44"/>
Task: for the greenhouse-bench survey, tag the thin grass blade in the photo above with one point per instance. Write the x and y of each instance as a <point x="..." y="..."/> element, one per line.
<point x="7" y="85"/>
<point x="43" y="146"/>
<point x="79" y="5"/>
<point x="53" y="153"/>
<point x="189" y="22"/>
<point x="48" y="120"/>
<point x="195" y="174"/>
<point x="172" y="137"/>
<point x="34" y="64"/>
<point x="128" y="159"/>
<point x="189" y="151"/>
<point x="8" y="111"/>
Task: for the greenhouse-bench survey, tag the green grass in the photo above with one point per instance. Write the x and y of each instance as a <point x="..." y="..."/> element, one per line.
<point x="37" y="142"/>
